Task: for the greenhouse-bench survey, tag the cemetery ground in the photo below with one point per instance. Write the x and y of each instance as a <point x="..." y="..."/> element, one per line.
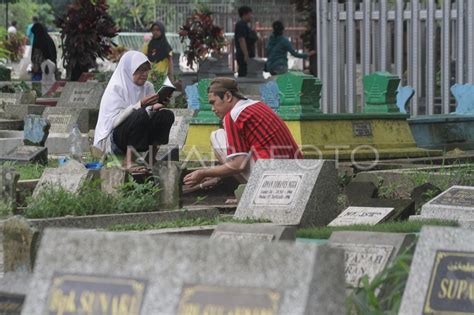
<point x="133" y="205"/>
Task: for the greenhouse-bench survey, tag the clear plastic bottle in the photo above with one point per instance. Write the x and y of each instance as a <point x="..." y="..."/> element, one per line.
<point x="75" y="141"/>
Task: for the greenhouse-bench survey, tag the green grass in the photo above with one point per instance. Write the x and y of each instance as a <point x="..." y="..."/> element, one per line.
<point x="179" y="224"/>
<point x="30" y="170"/>
<point x="389" y="227"/>
<point x="57" y="202"/>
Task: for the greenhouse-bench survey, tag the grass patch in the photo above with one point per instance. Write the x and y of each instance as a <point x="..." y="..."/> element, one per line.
<point x="57" y="202"/>
<point x="179" y="224"/>
<point x="29" y="170"/>
<point x="389" y="227"/>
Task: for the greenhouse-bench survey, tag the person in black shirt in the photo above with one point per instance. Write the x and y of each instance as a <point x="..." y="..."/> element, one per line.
<point x="245" y="39"/>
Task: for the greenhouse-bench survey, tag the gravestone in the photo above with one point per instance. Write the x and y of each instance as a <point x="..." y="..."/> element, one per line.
<point x="362" y="215"/>
<point x="167" y="174"/>
<point x="19" y="240"/>
<point x="259" y="232"/>
<point x="27" y="154"/>
<point x="192" y="96"/>
<point x="69" y="176"/>
<point x="464" y="94"/>
<point x="299" y="95"/>
<point x="456" y="203"/>
<point x="8" y="181"/>
<point x="291" y="192"/>
<point x="56" y="89"/>
<point x="404" y="95"/>
<point x="441" y="273"/>
<point x="215" y="66"/>
<point x="48" y="78"/>
<point x="171" y="275"/>
<point x="368" y="253"/>
<point x="112" y="178"/>
<point x="13" y="288"/>
<point x="269" y="93"/>
<point x="17" y="98"/>
<point x="255" y="68"/>
<point x="36" y="130"/>
<point x="380" y="92"/>
<point x="423" y="193"/>
<point x="81" y="95"/>
<point x="179" y="129"/>
<point x="62" y="121"/>
<point x="360" y="192"/>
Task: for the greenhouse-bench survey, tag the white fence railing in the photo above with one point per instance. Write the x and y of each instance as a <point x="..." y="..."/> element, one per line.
<point x="429" y="46"/>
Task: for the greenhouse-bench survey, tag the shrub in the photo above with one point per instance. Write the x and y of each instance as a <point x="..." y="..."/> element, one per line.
<point x="204" y="37"/>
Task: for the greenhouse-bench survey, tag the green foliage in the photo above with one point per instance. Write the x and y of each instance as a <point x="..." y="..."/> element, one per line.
<point x="389" y="227"/>
<point x="456" y="174"/>
<point x="56" y="201"/>
<point x="157" y="78"/>
<point x="382" y="295"/>
<point x="5" y="209"/>
<point x="134" y="15"/>
<point x="23" y="10"/>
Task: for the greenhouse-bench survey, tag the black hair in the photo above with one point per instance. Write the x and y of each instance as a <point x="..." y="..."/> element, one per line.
<point x="35" y="19"/>
<point x="278" y="28"/>
<point x="14" y="23"/>
<point x="243" y="10"/>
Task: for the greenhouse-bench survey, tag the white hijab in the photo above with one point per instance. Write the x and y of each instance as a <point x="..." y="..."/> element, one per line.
<point x="121" y="92"/>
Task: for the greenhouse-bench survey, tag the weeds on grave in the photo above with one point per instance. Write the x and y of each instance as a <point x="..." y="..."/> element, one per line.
<point x="29" y="170"/>
<point x="55" y="201"/>
<point x="382" y="295"/>
<point x="181" y="223"/>
<point x="5" y="209"/>
<point x="388" y="227"/>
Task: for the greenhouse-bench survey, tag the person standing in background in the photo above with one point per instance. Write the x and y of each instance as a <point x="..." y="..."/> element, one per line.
<point x="30" y="34"/>
<point x="43" y="48"/>
<point x="159" y="51"/>
<point x="245" y="39"/>
<point x="12" y="28"/>
<point x="278" y="48"/>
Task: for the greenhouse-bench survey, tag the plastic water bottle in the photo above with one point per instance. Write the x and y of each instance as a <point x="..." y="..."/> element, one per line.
<point x="75" y="141"/>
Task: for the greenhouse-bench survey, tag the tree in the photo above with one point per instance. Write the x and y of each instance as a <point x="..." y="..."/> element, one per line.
<point x="86" y="33"/>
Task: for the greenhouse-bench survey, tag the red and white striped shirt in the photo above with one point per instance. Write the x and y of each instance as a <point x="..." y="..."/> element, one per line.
<point x="253" y="128"/>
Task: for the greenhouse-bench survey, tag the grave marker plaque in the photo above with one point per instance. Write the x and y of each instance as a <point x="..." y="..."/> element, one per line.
<point x="59" y="123"/>
<point x="441" y="279"/>
<point x="188" y="274"/>
<point x="291" y="192"/>
<point x="11" y="304"/>
<point x="362" y="215"/>
<point x="206" y="299"/>
<point x="258" y="232"/>
<point x="81" y="95"/>
<point x="368" y="253"/>
<point x="27" y="153"/>
<point x="361" y="259"/>
<point x="451" y="285"/>
<point x="361" y="129"/>
<point x="76" y="294"/>
<point x="456" y="203"/>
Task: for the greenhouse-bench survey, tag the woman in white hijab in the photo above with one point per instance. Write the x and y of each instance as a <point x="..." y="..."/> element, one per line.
<point x="129" y="114"/>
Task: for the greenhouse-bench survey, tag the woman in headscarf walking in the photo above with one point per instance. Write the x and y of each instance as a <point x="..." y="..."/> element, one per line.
<point x="159" y="51"/>
<point x="130" y="114"/>
<point x="43" y="49"/>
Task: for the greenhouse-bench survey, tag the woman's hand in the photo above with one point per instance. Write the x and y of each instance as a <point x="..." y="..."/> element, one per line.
<point x="149" y="100"/>
<point x="156" y="107"/>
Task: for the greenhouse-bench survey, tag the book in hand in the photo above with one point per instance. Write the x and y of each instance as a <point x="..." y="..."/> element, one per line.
<point x="165" y="91"/>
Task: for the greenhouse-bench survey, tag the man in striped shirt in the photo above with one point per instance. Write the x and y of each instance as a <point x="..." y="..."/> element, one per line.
<point x="251" y="131"/>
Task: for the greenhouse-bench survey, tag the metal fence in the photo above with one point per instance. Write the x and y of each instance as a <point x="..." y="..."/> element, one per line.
<point x="430" y="46"/>
<point x="226" y="14"/>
